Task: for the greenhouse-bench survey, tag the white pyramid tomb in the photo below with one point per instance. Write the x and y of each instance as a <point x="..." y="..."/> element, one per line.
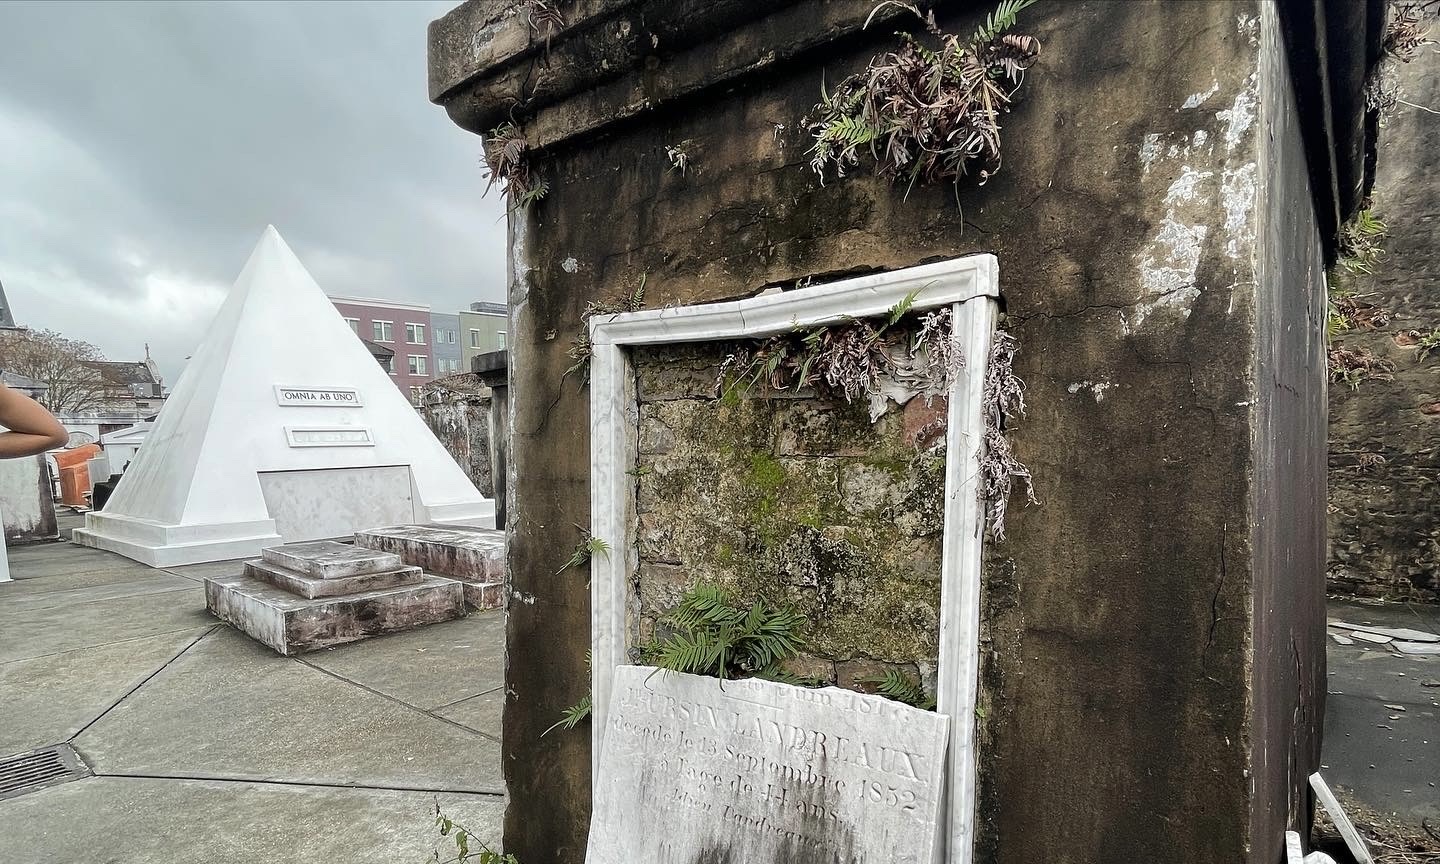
<point x="282" y="429"/>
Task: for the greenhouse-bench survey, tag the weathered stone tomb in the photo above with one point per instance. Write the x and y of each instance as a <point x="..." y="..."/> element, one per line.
<point x="1149" y="636"/>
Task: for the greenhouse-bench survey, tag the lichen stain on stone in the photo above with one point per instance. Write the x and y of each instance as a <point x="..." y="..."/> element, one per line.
<point x="1237" y="195"/>
<point x="793" y="498"/>
<point x="1186" y="187"/>
<point x="1097" y="388"/>
<point x="1249" y="27"/>
<point x="1168" y="267"/>
<point x="1240" y="116"/>
<point x="1195" y="100"/>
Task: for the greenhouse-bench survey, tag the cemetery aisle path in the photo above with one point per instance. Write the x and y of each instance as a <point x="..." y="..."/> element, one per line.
<point x="207" y="747"/>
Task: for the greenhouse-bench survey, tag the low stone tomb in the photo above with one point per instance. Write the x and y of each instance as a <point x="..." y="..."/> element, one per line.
<point x="302" y="596"/>
<point x="474" y="556"/>
<point x="698" y="769"/>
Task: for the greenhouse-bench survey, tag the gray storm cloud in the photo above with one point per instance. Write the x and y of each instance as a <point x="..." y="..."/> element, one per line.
<point x="143" y="148"/>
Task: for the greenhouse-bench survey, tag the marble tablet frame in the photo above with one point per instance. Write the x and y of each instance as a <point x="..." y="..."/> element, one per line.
<point x="970" y="286"/>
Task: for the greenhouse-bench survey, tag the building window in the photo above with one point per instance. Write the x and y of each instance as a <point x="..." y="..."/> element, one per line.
<point x="415" y="395"/>
<point x="415" y="334"/>
<point x="474" y="338"/>
<point x="450" y="337"/>
<point x="500" y="337"/>
<point x="354" y="325"/>
<point x="387" y="363"/>
<point x="417" y="365"/>
<point x="382" y="331"/>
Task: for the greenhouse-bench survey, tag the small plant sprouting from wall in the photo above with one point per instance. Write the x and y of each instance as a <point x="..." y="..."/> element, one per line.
<point x="469" y="848"/>
<point x="1000" y="469"/>
<point x="1428" y="344"/>
<point x="580" y="348"/>
<point x="590" y="546"/>
<point x="679" y="159"/>
<point x="1360" y="250"/>
<point x="544" y="20"/>
<point x="926" y="114"/>
<point x="1362" y="240"/>
<point x="1352" y="366"/>
<point x="505" y="161"/>
<point x="875" y="359"/>
<point x="1407" y="31"/>
<point x="1350" y="311"/>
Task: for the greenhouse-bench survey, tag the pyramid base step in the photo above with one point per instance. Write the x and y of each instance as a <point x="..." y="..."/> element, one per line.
<point x="291" y="624"/>
<point x="475" y="556"/>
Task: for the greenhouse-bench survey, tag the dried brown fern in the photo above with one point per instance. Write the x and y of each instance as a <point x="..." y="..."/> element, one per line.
<point x="1000" y="469"/>
<point x="871" y="359"/>
<point x="505" y="161"/>
<point x="926" y="114"/>
<point x="1353" y="365"/>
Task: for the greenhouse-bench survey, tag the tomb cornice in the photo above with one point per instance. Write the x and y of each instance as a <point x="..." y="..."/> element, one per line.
<point x="615" y="59"/>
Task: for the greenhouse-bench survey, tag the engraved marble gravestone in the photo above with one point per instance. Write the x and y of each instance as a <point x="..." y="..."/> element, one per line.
<point x="698" y="769"/>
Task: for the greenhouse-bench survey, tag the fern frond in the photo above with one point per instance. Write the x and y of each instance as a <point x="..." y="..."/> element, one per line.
<point x="1002" y="18"/>
<point x="902" y="688"/>
<point x="572" y="716"/>
<point x="899" y="309"/>
<point x="713" y="637"/>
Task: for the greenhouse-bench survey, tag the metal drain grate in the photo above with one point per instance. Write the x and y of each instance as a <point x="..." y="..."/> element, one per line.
<point x="39" y="769"/>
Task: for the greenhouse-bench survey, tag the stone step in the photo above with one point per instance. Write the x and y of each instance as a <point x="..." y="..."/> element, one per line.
<point x="311" y="587"/>
<point x="293" y="625"/>
<point x="484" y="595"/>
<point x="327" y="559"/>
<point x="472" y="555"/>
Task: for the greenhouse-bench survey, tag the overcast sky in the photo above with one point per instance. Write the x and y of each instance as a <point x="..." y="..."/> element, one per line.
<point x="144" y="146"/>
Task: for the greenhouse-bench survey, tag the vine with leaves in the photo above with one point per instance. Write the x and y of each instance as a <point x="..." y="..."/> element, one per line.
<point x="469" y="848"/>
<point x="926" y="114"/>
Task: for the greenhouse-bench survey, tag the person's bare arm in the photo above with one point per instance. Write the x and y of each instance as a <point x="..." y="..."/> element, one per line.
<point x="32" y="429"/>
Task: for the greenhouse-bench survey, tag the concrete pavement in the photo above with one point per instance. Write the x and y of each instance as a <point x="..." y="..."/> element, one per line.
<point x="207" y="747"/>
<point x="1382" y="723"/>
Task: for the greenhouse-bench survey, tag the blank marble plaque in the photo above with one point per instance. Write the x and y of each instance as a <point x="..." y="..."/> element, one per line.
<point x="696" y="769"/>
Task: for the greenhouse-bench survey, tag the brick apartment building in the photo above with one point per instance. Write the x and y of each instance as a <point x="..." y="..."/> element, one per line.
<point x="403" y="328"/>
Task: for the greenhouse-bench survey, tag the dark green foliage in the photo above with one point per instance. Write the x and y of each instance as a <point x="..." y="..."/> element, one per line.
<point x="902" y="688"/>
<point x="712" y="636"/>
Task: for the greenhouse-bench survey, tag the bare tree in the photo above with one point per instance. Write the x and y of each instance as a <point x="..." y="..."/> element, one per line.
<point x="61" y="364"/>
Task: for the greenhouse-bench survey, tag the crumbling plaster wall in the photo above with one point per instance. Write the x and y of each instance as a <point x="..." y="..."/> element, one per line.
<point x="1385" y="515"/>
<point x="1117" y="631"/>
<point x="795" y="498"/>
<point x="461" y="420"/>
